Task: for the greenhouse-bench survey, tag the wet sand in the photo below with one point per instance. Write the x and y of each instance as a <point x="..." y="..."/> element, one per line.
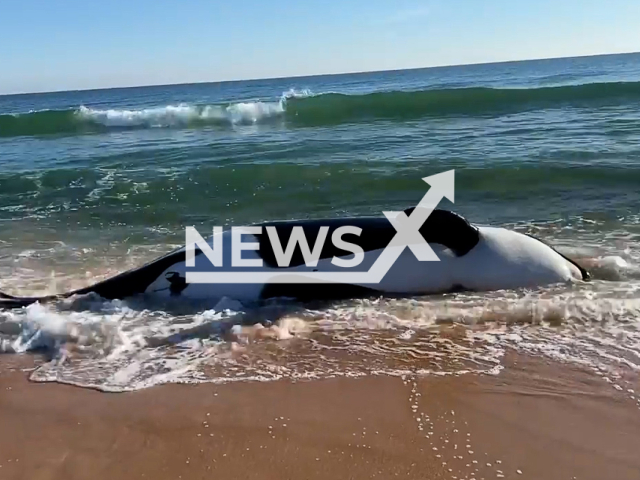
<point x="536" y="420"/>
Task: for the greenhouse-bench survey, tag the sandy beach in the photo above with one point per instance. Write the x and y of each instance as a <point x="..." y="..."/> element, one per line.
<point x="536" y="420"/>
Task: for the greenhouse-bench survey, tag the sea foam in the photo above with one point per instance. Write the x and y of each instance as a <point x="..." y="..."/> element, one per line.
<point x="184" y="114"/>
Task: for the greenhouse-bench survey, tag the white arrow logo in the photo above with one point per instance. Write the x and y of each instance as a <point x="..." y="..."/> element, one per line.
<point x="407" y="235"/>
<point x="442" y="185"/>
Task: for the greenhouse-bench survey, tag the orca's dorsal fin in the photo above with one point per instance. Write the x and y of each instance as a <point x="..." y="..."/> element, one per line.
<point x="449" y="229"/>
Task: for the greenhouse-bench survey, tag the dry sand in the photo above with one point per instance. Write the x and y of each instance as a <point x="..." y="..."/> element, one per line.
<point x="536" y="420"/>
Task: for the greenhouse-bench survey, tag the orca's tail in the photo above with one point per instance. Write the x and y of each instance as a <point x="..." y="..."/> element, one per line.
<point x="9" y="301"/>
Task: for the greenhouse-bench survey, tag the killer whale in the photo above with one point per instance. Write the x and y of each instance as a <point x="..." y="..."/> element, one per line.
<point x="471" y="258"/>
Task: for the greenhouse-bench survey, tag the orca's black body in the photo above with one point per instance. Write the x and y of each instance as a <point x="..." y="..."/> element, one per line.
<point x="442" y="227"/>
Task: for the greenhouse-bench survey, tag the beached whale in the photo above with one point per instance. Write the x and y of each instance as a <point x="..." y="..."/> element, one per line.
<point x="475" y="258"/>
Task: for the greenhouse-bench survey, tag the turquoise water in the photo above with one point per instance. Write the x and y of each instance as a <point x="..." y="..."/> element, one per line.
<point x="521" y="136"/>
<point x="92" y="182"/>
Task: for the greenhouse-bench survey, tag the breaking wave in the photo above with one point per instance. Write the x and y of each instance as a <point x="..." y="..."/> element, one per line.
<point x="302" y="108"/>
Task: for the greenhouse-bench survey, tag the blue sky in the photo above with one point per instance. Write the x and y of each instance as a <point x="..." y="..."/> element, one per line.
<point x="77" y="44"/>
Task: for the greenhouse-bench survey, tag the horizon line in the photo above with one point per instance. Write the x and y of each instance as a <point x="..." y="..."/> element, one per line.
<point x="358" y="72"/>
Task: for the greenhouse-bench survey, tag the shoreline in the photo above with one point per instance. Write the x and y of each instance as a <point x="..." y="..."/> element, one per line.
<point x="536" y="419"/>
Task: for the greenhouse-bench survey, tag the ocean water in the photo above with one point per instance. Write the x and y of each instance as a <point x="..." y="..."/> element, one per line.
<point x="95" y="182"/>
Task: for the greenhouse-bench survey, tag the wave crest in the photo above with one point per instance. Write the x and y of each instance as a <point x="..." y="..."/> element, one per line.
<point x="301" y="108"/>
<point x="182" y="115"/>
